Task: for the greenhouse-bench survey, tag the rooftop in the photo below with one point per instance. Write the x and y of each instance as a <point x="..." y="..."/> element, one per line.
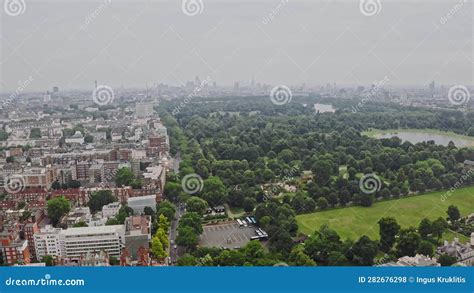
<point x="92" y="230"/>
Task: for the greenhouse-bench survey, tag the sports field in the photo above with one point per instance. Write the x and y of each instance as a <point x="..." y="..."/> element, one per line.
<point x="353" y="222"/>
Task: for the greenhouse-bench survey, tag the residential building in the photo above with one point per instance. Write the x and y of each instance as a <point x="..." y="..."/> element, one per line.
<point x="77" y="138"/>
<point x="464" y="253"/>
<point x="13" y="249"/>
<point x="111" y="210"/>
<point x="137" y="234"/>
<point x="139" y="203"/>
<point x="73" y="243"/>
<point x="418" y="260"/>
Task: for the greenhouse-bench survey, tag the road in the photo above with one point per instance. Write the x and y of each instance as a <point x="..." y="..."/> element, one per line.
<point x="175" y="253"/>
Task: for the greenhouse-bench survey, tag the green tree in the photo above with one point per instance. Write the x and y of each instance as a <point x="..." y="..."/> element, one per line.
<point x="172" y="190"/>
<point x="80" y="224"/>
<point x="322" y="203"/>
<point x="408" y="242"/>
<point x="364" y="251"/>
<point x="388" y="229"/>
<point x="193" y="220"/>
<point x="453" y="213"/>
<point x="57" y="208"/>
<point x="214" y="191"/>
<point x="447" y="260"/>
<point x="299" y="258"/>
<point x="25" y="215"/>
<point x="187" y="237"/>
<point x="48" y="260"/>
<point x="56" y="185"/>
<point x="163" y="223"/>
<point x="249" y="204"/>
<point x="426" y="248"/>
<point x="160" y="244"/>
<point x="167" y="209"/>
<point x="320" y="244"/>
<point x="88" y="138"/>
<point x="35" y="133"/>
<point x="438" y="227"/>
<point x="3" y="135"/>
<point x="74" y="184"/>
<point x="425" y="228"/>
<point x="124" y="212"/>
<point x="187" y="260"/>
<point x="124" y="177"/>
<point x="322" y="171"/>
<point x="100" y="198"/>
<point x="197" y="205"/>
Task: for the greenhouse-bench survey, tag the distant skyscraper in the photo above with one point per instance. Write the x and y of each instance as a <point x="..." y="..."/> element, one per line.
<point x="236" y="85"/>
<point x="55" y="89"/>
<point x="197" y="81"/>
<point x="432" y="86"/>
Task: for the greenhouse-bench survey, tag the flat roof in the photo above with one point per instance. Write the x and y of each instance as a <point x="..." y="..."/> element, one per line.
<point x="93" y="230"/>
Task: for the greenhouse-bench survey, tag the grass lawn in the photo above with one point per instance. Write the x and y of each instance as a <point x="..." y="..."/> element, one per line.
<point x="233" y="212"/>
<point x="353" y="222"/>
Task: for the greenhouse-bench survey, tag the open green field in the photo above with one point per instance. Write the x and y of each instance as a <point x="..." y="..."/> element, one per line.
<point x="353" y="222"/>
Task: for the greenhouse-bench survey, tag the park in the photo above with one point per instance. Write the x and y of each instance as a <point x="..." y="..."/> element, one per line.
<point x="355" y="221"/>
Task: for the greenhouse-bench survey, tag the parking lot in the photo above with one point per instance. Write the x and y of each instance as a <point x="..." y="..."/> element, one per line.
<point x="228" y="235"/>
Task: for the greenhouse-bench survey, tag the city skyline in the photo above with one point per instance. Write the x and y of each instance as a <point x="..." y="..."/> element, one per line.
<point x="277" y="42"/>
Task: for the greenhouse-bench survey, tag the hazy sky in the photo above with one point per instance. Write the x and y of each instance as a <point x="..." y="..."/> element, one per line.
<point x="72" y="43"/>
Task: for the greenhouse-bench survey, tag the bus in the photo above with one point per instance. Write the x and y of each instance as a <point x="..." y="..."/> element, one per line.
<point x="248" y="220"/>
<point x="240" y="223"/>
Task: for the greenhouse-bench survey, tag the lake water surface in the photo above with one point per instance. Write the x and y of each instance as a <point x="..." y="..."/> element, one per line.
<point x="416" y="137"/>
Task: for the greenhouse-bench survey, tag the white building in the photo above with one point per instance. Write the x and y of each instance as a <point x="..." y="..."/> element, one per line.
<point x="74" y="242"/>
<point x="139" y="203"/>
<point x="111" y="210"/>
<point x="76" y="138"/>
<point x="116" y="136"/>
<point x="78" y="241"/>
<point x="47" y="242"/>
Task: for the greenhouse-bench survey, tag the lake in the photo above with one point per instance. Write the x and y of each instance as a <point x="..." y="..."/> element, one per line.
<point x="323" y="108"/>
<point x="438" y="138"/>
